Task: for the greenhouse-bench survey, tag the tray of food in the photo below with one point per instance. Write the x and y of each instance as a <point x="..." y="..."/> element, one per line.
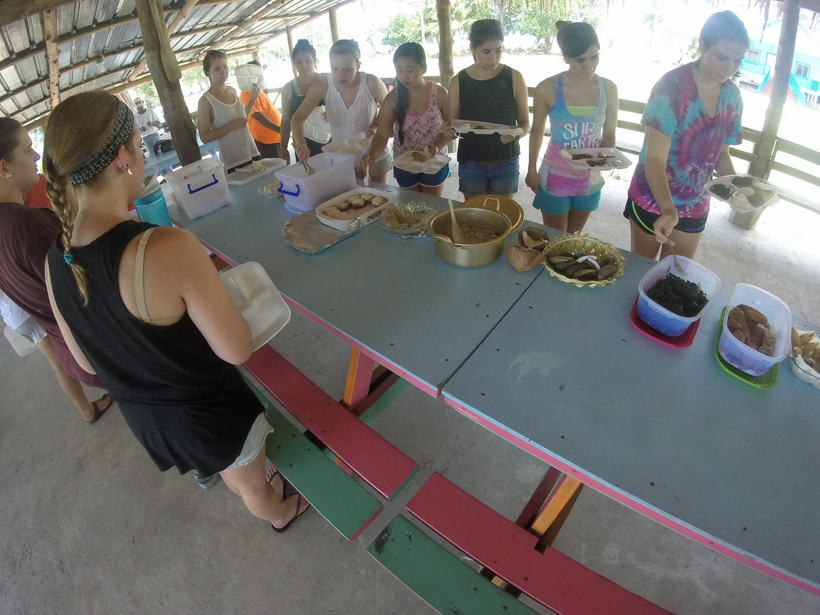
<point x="354" y="209"/>
<point x="806" y="356"/>
<point x="743" y="192"/>
<point x="407" y="220"/>
<point x="485" y="128"/>
<point x="357" y="145"/>
<point x="256" y="169"/>
<point x="600" y="158"/>
<point x="421" y="162"/>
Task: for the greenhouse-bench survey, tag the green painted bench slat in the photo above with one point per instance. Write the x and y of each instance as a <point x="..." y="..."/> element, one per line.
<point x="338" y="498"/>
<point x="442" y="580"/>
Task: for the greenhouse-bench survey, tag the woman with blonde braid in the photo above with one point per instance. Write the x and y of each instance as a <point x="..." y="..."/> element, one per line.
<point x="144" y="308"/>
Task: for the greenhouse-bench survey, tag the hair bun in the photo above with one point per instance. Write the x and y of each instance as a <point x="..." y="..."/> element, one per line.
<point x="561" y="24"/>
<point x="302" y="42"/>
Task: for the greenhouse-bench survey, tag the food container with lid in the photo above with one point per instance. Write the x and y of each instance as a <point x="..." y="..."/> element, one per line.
<point x="200" y="187"/>
<point x="657" y="316"/>
<point x="779" y="316"/>
<point x="334" y="175"/>
<point x="469" y="255"/>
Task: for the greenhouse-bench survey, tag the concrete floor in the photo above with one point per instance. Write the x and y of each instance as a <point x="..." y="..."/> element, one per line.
<point x="89" y="526"/>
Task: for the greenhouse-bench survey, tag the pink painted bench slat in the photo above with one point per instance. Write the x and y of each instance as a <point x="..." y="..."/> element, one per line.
<point x="367" y="453"/>
<point x="553" y="579"/>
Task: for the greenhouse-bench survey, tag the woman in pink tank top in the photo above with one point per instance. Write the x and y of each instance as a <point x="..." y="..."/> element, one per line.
<point x="416" y="115"/>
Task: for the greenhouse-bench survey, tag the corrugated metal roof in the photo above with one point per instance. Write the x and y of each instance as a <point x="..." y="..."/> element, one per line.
<point x="100" y="44"/>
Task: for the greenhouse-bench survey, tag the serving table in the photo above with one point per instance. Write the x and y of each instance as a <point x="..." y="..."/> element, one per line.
<point x="665" y="431"/>
<point x="560" y="372"/>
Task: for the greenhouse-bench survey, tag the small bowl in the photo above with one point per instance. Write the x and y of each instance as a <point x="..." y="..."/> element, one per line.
<point x="801" y="369"/>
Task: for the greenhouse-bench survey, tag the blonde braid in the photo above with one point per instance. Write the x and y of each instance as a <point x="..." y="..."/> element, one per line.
<point x="56" y="187"/>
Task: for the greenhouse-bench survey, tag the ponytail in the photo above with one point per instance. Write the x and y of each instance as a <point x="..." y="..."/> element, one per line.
<point x="402" y="103"/>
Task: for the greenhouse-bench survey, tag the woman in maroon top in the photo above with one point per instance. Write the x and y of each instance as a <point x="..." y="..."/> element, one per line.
<point x="26" y="234"/>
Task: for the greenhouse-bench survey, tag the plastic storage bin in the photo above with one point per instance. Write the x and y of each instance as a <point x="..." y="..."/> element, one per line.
<point x="20" y="344"/>
<point x="661" y="319"/>
<point x="200" y="188"/>
<point x="739" y="354"/>
<point x="334" y="175"/>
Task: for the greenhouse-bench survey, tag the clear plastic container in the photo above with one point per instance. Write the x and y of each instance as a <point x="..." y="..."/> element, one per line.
<point x="779" y="315"/>
<point x="20" y="344"/>
<point x="661" y="319"/>
<point x="200" y="188"/>
<point x="248" y="75"/>
<point x="334" y="175"/>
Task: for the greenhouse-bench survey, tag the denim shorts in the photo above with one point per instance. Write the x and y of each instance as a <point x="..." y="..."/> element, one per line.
<point x="406" y="179"/>
<point x="253" y="443"/>
<point x="476" y="178"/>
<point x="560" y="205"/>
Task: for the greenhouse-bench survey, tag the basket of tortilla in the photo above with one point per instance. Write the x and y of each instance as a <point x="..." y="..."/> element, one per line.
<point x="421" y="162"/>
<point x="355" y="209"/>
<point x="597" y="158"/>
<point x="743" y="192"/>
<point x="583" y="261"/>
<point x="485" y="128"/>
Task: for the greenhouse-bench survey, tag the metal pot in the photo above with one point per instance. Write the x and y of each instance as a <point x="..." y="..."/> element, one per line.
<point x="473" y="254"/>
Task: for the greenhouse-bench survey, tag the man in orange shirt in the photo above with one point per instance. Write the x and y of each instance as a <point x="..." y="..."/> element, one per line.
<point x="264" y="121"/>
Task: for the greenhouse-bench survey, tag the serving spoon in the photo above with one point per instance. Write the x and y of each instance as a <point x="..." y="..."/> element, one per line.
<point x="458" y="236"/>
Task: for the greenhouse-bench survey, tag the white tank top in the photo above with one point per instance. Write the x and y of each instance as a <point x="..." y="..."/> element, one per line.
<point x="347" y="121"/>
<point x="236" y="147"/>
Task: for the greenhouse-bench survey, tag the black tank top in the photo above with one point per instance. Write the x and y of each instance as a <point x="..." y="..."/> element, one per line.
<point x="491" y="100"/>
<point x="188" y="407"/>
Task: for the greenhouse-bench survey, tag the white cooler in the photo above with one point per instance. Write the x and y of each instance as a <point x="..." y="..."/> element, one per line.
<point x="200" y="188"/>
<point x="334" y="175"/>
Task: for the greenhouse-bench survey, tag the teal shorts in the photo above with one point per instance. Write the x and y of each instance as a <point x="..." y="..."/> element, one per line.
<point x="560" y="205"/>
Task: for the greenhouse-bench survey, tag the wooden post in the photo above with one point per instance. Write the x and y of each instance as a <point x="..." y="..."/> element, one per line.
<point x="445" y="42"/>
<point x="166" y="74"/>
<point x="183" y="13"/>
<point x="289" y="32"/>
<point x="334" y="25"/>
<point x="52" y="55"/>
<point x="780" y="89"/>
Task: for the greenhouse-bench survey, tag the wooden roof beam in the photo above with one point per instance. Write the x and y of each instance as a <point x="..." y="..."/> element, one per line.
<point x="15" y="10"/>
<point x="171" y="28"/>
<point x="306" y="20"/>
<point x="230" y="34"/>
<point x="291" y="16"/>
<point x="52" y="55"/>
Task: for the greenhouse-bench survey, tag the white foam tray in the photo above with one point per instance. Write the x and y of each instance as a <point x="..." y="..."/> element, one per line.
<point x="255" y="296"/>
<point x="431" y="165"/>
<point x="618" y="162"/>
<point x="240" y="177"/>
<point x="487" y="128"/>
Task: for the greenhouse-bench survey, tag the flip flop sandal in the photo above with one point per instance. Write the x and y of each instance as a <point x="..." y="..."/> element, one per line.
<point x="299" y="498"/>
<point x="99" y="411"/>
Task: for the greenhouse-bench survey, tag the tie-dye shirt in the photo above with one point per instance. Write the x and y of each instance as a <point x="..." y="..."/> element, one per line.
<point x="675" y="109"/>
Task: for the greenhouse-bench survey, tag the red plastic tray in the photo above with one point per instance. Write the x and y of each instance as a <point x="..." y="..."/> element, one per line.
<point x="684" y="340"/>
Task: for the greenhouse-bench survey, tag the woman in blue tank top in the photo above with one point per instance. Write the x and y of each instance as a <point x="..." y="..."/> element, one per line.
<point x="583" y="112"/>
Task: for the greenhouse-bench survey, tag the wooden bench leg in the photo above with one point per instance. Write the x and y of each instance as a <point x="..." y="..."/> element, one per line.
<point x="359" y="377"/>
<point x="558" y="500"/>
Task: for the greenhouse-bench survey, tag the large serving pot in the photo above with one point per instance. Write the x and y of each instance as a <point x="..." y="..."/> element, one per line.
<point x="473" y="254"/>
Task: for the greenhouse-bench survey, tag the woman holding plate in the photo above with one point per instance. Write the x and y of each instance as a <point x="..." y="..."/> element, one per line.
<point x="583" y="111"/>
<point x="488" y="91"/>
<point x="415" y="114"/>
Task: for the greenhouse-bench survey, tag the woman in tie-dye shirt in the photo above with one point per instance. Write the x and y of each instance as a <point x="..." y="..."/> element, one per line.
<point x="692" y="117"/>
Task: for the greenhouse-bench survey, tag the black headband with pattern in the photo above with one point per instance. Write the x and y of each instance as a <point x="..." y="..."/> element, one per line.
<point x="99" y="161"/>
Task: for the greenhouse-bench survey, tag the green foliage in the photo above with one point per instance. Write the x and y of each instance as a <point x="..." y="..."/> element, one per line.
<point x="148" y="93"/>
<point x="406" y="27"/>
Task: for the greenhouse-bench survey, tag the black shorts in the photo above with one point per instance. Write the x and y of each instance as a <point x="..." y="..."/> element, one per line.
<point x="646" y="220"/>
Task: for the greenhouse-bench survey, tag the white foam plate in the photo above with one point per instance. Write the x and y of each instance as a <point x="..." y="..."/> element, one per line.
<point x="737" y="200"/>
<point x="244" y="175"/>
<point x="255" y="296"/>
<point x="432" y="165"/>
<point x="486" y="128"/>
<point x="614" y="158"/>
<point x="355" y="144"/>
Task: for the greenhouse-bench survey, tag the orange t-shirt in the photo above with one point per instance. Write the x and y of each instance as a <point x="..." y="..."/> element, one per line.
<point x="263" y="105"/>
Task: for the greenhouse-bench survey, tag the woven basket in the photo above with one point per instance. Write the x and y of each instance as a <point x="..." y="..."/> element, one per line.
<point x="589" y="245"/>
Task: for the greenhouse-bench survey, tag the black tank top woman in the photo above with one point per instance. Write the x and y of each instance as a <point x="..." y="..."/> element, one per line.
<point x="490" y="100"/>
<point x="186" y="406"/>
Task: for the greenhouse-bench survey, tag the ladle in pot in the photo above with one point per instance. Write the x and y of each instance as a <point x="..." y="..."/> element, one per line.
<point x="457" y="235"/>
